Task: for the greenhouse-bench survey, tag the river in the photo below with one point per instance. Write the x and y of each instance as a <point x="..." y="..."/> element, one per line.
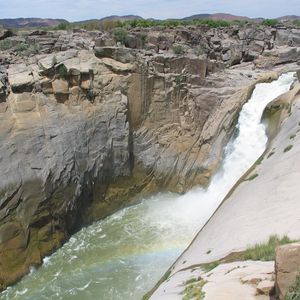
<point x="123" y="256"/>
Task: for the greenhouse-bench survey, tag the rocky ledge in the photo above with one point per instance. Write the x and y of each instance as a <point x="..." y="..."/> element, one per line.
<point x="88" y="125"/>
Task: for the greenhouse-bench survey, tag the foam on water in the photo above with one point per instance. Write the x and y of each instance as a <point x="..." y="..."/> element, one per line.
<point x="123" y="256"/>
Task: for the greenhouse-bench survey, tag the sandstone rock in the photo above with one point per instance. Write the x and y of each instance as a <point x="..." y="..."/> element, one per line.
<point x="85" y="84"/>
<point x="287" y="266"/>
<point x="105" y="41"/>
<point x="265" y="287"/>
<point x="60" y="86"/>
<point x="288" y="37"/>
<point x="20" y="78"/>
<point x="38" y="32"/>
<point x="47" y="63"/>
<point x="120" y="54"/>
<point x="5" y="33"/>
<point x="287" y="55"/>
<point x="117" y="66"/>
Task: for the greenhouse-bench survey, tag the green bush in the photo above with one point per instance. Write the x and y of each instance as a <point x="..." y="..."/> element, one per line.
<point x="6" y="44"/>
<point x="21" y="47"/>
<point x="193" y="289"/>
<point x="265" y="251"/>
<point x="269" y="22"/>
<point x="296" y="23"/>
<point x="288" y="148"/>
<point x="62" y="71"/>
<point x="179" y="79"/>
<point x="63" y="26"/>
<point x="178" y="49"/>
<point x="90" y="26"/>
<point x="121" y="35"/>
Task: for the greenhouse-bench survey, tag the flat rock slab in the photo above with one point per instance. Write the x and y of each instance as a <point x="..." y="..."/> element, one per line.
<point x="239" y="280"/>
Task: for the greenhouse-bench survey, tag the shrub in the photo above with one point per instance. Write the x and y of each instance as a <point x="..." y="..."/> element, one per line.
<point x="193" y="289"/>
<point x="252" y="177"/>
<point x="288" y="148"/>
<point x="5" y="45"/>
<point x="63" y="26"/>
<point x="62" y="71"/>
<point x="179" y="79"/>
<point x="269" y="22"/>
<point x="210" y="266"/>
<point x="21" y="47"/>
<point x="121" y="35"/>
<point x="93" y="25"/>
<point x="265" y="251"/>
<point x="296" y="23"/>
<point x="178" y="49"/>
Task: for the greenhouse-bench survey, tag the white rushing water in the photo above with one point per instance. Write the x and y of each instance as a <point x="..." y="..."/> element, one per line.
<point x="123" y="256"/>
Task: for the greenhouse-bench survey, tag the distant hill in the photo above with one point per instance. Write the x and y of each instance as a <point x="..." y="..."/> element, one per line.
<point x="30" y="22"/>
<point x="122" y="18"/>
<point x="288" y="18"/>
<point x="217" y="16"/>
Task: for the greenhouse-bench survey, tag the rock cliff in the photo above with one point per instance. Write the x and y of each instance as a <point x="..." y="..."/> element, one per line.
<point x="87" y="125"/>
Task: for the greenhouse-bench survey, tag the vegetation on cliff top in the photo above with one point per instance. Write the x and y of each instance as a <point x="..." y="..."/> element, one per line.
<point x="111" y="24"/>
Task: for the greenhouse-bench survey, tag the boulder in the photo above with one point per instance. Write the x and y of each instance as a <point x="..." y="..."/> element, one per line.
<point x="120" y="54"/>
<point x="60" y="86"/>
<point x="265" y="287"/>
<point x="288" y="55"/>
<point x="287" y="267"/>
<point x="117" y="66"/>
<point x="20" y="78"/>
<point x="4" y="33"/>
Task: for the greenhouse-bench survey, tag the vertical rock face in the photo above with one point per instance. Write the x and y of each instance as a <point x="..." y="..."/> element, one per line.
<point x="287" y="267"/>
<point x="61" y="145"/>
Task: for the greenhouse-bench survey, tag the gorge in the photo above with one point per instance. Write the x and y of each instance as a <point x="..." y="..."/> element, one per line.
<point x="123" y="256"/>
<point x="89" y="126"/>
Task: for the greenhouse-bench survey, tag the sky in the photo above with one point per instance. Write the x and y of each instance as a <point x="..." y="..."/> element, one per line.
<point x="75" y="10"/>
